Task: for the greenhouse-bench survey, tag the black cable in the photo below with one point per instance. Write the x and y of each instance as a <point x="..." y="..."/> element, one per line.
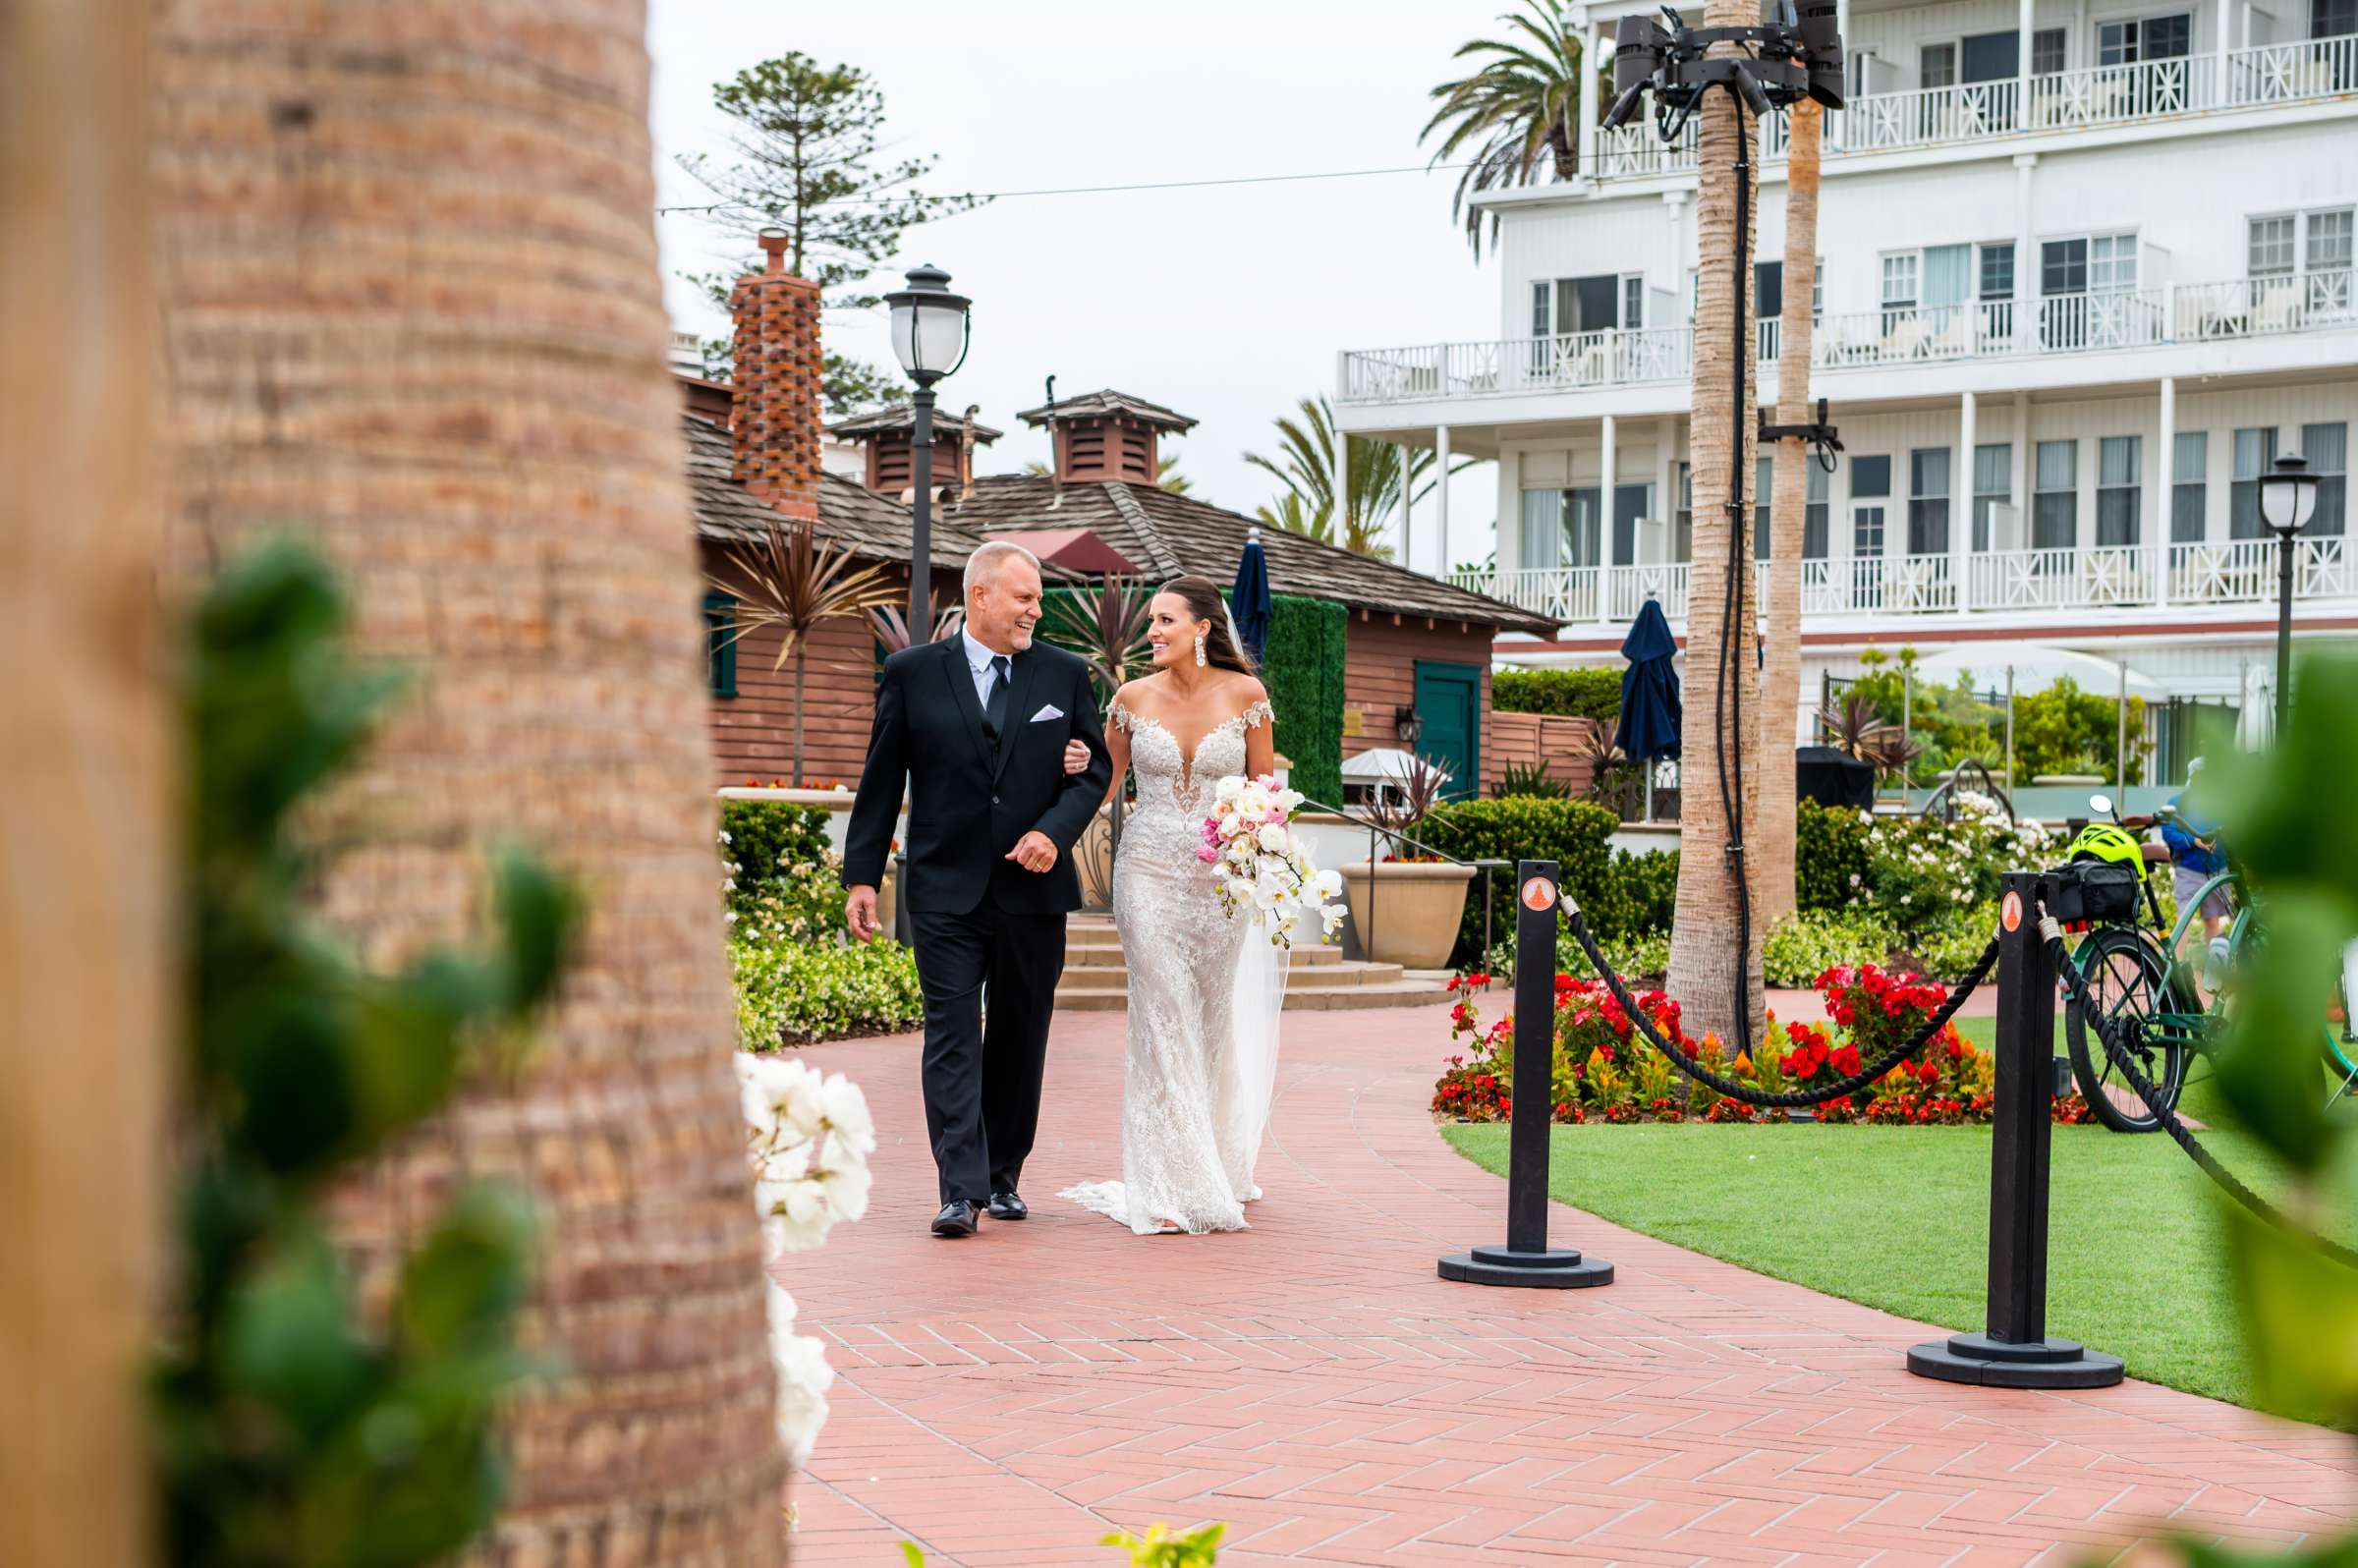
<point x="1735" y="1089"/>
<point x="1727" y="702"/>
<point x="2075" y="986"/>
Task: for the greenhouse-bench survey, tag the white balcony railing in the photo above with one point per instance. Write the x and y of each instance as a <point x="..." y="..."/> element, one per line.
<point x="2062" y="100"/>
<point x="2058" y="324"/>
<point x="2135" y="576"/>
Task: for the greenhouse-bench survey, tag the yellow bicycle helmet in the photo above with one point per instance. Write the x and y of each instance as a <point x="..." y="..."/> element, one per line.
<point x="2108" y="841"/>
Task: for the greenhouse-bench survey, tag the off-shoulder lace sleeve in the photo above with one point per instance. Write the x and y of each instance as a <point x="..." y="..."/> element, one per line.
<point x="1257" y="714"/>
<point x="1119" y="716"/>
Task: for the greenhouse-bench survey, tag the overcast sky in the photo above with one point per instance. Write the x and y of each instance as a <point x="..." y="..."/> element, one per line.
<point x="1228" y="303"/>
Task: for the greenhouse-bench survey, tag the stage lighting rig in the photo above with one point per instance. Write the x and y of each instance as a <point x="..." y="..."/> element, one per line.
<point x="1798" y="56"/>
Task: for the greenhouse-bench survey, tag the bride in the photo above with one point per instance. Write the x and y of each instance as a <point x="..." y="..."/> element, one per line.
<point x="1203" y="1028"/>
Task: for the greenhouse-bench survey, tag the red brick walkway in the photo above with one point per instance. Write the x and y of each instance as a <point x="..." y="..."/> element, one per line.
<point x="1011" y="1398"/>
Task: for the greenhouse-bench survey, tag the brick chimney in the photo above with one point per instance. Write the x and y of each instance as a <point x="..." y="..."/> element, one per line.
<point x="1107" y="435"/>
<point x="774" y="393"/>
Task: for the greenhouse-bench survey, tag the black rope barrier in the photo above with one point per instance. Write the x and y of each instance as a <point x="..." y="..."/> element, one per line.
<point x="2106" y="1030"/>
<point x="1736" y="1088"/>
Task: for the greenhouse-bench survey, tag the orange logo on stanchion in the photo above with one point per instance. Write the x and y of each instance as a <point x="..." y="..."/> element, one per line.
<point x="1539" y="893"/>
<point x="2009" y="911"/>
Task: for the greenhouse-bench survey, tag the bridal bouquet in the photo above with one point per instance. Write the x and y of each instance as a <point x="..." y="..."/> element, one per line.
<point x="1260" y="864"/>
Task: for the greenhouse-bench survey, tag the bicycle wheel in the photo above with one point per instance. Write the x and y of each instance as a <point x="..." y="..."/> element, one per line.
<point x="2126" y="977"/>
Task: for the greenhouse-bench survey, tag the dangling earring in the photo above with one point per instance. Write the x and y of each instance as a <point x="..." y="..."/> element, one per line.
<point x="1200" y="660"/>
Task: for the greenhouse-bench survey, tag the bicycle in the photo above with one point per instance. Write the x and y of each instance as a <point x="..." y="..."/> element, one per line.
<point x="2132" y="970"/>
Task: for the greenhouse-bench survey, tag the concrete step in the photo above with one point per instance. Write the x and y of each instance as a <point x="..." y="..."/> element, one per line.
<point x="1403" y="993"/>
<point x="1322" y="986"/>
<point x="1096" y="955"/>
<point x="1316" y="977"/>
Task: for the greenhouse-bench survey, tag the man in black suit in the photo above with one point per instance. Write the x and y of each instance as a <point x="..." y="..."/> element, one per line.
<point x="977" y="725"/>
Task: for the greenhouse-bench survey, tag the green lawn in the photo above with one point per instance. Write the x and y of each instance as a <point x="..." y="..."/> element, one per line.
<point x="1899" y="1217"/>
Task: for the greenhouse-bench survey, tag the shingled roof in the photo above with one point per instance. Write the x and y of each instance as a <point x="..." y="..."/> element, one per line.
<point x="872" y="525"/>
<point x="1172" y="536"/>
<point x="1097" y="405"/>
<point x="903" y="416"/>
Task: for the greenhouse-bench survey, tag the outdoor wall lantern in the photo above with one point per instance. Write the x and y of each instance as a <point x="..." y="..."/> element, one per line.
<point x="1408" y="725"/>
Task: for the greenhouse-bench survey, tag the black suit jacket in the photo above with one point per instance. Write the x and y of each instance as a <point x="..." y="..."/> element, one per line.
<point x="968" y="800"/>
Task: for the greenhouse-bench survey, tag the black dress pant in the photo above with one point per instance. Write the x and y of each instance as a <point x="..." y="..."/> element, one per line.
<point x="982" y="1076"/>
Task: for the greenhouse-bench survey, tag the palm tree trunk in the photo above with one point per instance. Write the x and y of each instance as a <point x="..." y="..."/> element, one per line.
<point x="802" y="662"/>
<point x="1707" y="959"/>
<point x="1773" y="870"/>
<point x="447" y="369"/>
<point x="86" y="759"/>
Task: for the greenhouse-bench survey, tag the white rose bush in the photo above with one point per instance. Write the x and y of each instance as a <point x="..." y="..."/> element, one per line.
<point x="1260" y="864"/>
<point x="808" y="1136"/>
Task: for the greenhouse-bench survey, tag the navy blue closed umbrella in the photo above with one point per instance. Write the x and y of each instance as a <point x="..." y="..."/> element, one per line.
<point x="1649" y="710"/>
<point x="1249" y="600"/>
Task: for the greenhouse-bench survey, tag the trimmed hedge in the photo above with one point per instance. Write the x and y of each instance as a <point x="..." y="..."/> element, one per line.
<point x="1829" y="855"/>
<point x="1302" y="665"/>
<point x="1650" y="883"/>
<point x="1576" y="694"/>
<point x="1575" y="834"/>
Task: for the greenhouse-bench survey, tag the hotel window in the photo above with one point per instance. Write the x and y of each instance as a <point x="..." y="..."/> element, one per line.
<point x="1559" y="529"/>
<point x="1682" y="525"/>
<point x="1763" y="492"/>
<point x="2270" y="253"/>
<point x="1997" y="271"/>
<point x="2049" y="51"/>
<point x="2169" y="37"/>
<point x="1899" y="281"/>
<point x="1936" y="65"/>
<point x="2255" y="450"/>
<point x="2117" y="490"/>
<point x="1633" y="302"/>
<point x="1815" y="516"/>
<point x="1567" y="306"/>
<point x="1928" y="501"/>
<point x="2329" y="243"/>
<point x="2332" y="18"/>
<point x="1993" y="487"/>
<point x="2189" y="491"/>
<point x="2055" y="496"/>
<point x="2326" y="447"/>
<point x="720" y="643"/>
<point x="1870" y="484"/>
<point x="2096" y="264"/>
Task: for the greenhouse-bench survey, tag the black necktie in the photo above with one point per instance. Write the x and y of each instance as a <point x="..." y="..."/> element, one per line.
<point x="995" y="707"/>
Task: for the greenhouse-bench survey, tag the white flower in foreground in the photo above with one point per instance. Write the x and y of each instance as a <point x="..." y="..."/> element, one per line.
<point x="848" y="1120"/>
<point x="1228" y="788"/>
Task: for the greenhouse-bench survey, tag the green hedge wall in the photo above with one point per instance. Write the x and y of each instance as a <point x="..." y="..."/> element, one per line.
<point x="1302" y="665"/>
<point x="1577" y="694"/>
<point x="1575" y="834"/>
<point x="1829" y="855"/>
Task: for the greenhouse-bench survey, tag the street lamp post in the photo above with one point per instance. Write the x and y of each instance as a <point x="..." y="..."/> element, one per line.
<point x="931" y="331"/>
<point x="2287" y="498"/>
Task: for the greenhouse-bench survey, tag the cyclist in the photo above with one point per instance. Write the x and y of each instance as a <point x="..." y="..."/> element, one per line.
<point x="2195" y="857"/>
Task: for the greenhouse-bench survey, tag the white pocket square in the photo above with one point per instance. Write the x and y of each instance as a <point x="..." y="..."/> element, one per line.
<point x="1047" y="712"/>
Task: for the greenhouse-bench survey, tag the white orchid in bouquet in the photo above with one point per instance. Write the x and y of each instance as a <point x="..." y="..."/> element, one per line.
<point x="1259" y="862"/>
<point x="808" y="1136"/>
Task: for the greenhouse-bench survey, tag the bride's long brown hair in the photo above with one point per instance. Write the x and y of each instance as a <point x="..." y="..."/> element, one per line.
<point x="1203" y="602"/>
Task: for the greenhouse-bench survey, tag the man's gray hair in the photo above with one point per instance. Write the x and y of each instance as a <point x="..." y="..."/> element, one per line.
<point x="983" y="564"/>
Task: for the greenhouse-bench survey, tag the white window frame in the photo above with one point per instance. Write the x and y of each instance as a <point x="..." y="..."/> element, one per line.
<point x="1914" y="262"/>
<point x="2133" y="238"/>
<point x="1626" y="287"/>
<point x="1956" y="62"/>
<point x="2137" y="19"/>
<point x="2292" y="245"/>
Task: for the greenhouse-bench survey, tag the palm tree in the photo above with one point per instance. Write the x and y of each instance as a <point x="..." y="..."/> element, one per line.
<point x="1710" y="969"/>
<point x="1167" y="476"/>
<point x="792" y="581"/>
<point x="456" y="388"/>
<point x="88" y="804"/>
<point x="1773" y="871"/>
<point x="1306" y="467"/>
<point x="1516" y="113"/>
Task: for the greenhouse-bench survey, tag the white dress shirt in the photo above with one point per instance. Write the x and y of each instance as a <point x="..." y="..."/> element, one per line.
<point x="977" y="661"/>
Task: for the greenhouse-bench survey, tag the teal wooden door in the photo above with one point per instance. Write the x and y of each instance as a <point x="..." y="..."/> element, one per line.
<point x="1449" y="702"/>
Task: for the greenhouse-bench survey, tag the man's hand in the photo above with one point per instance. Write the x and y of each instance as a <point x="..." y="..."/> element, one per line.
<point x="1033" y="852"/>
<point x="860" y="913"/>
<point x="1076" y="757"/>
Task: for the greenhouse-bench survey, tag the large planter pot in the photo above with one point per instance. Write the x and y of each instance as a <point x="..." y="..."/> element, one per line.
<point x="1406" y="911"/>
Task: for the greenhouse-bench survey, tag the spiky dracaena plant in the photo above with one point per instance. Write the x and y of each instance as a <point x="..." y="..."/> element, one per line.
<point x="892" y="626"/>
<point x="795" y="581"/>
<point x="1106" y="624"/>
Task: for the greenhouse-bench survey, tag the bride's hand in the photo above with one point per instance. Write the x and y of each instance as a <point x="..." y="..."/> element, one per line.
<point x="1076" y="757"/>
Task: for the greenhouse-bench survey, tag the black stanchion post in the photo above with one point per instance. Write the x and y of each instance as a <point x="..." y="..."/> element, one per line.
<point x="1525" y="1259"/>
<point x="2015" y="1352"/>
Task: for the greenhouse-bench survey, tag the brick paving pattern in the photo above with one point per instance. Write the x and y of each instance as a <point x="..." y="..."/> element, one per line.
<point x="1012" y="1399"/>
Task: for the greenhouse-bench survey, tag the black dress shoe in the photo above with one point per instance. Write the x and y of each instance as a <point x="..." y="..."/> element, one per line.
<point x="957" y="1218"/>
<point x="1009" y="1205"/>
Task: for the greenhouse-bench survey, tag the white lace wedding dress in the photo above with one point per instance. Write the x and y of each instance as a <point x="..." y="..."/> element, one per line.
<point x="1205" y="990"/>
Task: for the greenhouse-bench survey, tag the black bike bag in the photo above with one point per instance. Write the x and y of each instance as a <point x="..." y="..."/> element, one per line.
<point x="2089" y="891"/>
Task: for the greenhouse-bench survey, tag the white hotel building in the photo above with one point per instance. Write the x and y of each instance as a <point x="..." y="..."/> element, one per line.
<point x="2086" y="268"/>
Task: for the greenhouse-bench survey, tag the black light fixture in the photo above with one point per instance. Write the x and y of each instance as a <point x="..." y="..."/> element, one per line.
<point x="1408" y="725"/>
<point x="2287" y="500"/>
<point x="931" y="330"/>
